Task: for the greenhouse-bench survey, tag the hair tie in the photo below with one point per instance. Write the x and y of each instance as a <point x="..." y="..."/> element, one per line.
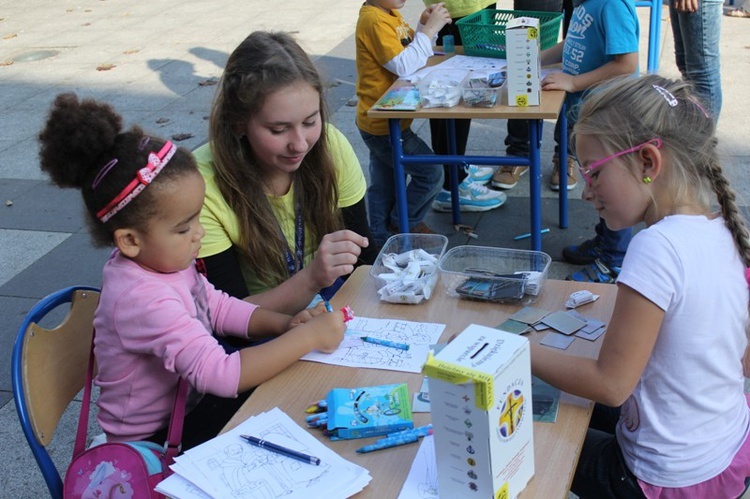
<point x="103" y="172"/>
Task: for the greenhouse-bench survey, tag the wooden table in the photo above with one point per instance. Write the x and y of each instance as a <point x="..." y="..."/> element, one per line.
<point x="556" y="445"/>
<point x="550" y="108"/>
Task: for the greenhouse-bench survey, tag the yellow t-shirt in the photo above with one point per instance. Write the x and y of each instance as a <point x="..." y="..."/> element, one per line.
<point x="380" y="37"/>
<point x="220" y="222"/>
<point x="461" y="8"/>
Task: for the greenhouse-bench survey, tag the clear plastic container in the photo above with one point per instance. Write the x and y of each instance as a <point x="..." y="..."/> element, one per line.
<point x="442" y="87"/>
<point x="494" y="274"/>
<point x="408" y="288"/>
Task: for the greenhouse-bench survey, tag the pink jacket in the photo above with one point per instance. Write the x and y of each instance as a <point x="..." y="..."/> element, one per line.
<point x="151" y="329"/>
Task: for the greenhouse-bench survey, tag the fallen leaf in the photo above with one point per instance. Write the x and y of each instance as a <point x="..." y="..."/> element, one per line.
<point x="181" y="136"/>
<point x="105" y="67"/>
<point x="132" y="51"/>
<point x="161" y="121"/>
<point x="209" y="82"/>
<point x="8" y="37"/>
<point x="6" y="63"/>
<point x="86" y="24"/>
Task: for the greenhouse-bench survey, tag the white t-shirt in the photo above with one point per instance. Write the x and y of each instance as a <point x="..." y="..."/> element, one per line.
<point x="687" y="416"/>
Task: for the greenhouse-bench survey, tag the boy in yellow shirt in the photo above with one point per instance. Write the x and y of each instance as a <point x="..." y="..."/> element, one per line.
<point x="388" y="48"/>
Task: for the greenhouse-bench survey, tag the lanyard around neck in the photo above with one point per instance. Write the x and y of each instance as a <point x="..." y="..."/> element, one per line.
<point x="294" y="263"/>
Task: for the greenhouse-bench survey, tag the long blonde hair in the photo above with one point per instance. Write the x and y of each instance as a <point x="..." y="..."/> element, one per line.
<point x="261" y="65"/>
<point x="627" y="111"/>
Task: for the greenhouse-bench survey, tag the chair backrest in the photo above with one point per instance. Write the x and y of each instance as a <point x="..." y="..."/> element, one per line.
<point x="49" y="369"/>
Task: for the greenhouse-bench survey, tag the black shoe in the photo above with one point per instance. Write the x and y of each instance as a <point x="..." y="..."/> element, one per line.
<point x="583" y="254"/>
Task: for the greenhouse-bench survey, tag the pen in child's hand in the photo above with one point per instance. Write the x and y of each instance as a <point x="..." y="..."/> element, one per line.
<point x="329" y="308"/>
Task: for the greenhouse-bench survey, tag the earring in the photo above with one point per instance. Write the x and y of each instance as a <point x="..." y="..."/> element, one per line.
<point x="646" y="179"/>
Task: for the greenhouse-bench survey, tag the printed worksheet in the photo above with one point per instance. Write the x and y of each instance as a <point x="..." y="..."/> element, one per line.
<point x="422" y="482"/>
<point x="229" y="466"/>
<point x="480" y="65"/>
<point x="356" y="352"/>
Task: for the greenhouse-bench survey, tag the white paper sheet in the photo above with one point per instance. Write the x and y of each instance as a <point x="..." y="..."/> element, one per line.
<point x="353" y="352"/>
<point x="422" y="482"/>
<point x="228" y="466"/>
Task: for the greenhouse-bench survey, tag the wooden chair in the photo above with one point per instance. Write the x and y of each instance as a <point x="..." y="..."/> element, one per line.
<point x="49" y="369"/>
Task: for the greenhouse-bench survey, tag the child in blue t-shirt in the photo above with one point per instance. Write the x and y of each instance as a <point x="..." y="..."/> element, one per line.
<point x="601" y="43"/>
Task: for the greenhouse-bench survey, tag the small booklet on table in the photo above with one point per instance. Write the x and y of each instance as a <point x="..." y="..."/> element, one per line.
<point x="400" y="99"/>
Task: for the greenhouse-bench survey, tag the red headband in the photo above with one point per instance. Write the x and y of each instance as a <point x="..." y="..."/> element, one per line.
<point x="146" y="175"/>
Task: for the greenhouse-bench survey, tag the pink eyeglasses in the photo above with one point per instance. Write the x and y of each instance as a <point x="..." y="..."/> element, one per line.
<point x="588" y="170"/>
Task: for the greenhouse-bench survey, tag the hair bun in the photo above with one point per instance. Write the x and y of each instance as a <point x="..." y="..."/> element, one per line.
<point x="76" y="139"/>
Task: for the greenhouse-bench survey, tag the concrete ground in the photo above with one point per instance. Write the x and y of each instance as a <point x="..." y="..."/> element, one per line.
<point x="157" y="62"/>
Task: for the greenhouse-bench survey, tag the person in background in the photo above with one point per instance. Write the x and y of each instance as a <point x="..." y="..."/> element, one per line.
<point x="517" y="138"/>
<point x="156" y="313"/>
<point x="696" y="26"/>
<point x="473" y="195"/>
<point x="671" y="418"/>
<point x="388" y="48"/>
<point x="602" y="42"/>
<point x="742" y="11"/>
<point x="284" y="213"/>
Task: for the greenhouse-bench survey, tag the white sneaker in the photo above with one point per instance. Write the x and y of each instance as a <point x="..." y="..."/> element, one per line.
<point x="471" y="197"/>
<point x="480" y="174"/>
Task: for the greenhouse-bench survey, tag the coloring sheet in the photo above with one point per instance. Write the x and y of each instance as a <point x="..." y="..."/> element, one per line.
<point x="482" y="65"/>
<point x="422" y="482"/>
<point x="228" y="466"/>
<point x="354" y="352"/>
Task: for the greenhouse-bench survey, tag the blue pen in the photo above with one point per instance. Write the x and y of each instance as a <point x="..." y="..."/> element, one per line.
<point x="386" y="343"/>
<point x="387" y="443"/>
<point x="265" y="444"/>
<point x="528" y="234"/>
<point x="329" y="308"/>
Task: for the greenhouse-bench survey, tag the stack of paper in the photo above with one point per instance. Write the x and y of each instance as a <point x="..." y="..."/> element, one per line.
<point x="228" y="466"/>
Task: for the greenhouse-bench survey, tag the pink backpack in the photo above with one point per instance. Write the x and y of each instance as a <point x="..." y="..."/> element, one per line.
<point x="121" y="470"/>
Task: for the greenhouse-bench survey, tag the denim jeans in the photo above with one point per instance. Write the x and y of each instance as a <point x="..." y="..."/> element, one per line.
<point x="696" y="47"/>
<point x="517" y="140"/>
<point x="613" y="243"/>
<point x="601" y="472"/>
<point x="426" y="182"/>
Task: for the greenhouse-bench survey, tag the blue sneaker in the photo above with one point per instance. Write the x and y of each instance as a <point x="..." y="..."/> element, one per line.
<point x="583" y="254"/>
<point x="471" y="197"/>
<point x="480" y="174"/>
<point x="596" y="272"/>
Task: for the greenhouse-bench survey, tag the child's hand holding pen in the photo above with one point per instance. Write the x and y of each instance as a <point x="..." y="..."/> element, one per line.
<point x="327" y="330"/>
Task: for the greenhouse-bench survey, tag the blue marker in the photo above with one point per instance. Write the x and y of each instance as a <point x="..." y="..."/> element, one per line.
<point x="420" y="432"/>
<point x="386" y="443"/>
<point x="386" y="343"/>
<point x="528" y="234"/>
<point x="329" y="308"/>
<point x="316" y="417"/>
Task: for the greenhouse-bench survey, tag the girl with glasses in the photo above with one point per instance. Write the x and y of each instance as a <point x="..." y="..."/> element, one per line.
<point x="671" y="418"/>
